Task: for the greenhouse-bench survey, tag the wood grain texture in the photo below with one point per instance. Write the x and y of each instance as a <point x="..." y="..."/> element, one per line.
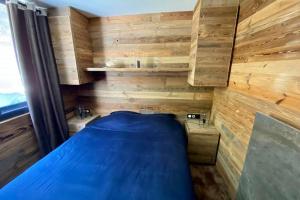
<point x="75" y="123"/>
<point x="213" y="32"/>
<point x="18" y="147"/>
<point x="72" y="45"/>
<point x="166" y="93"/>
<point x="159" y="40"/>
<point x="70" y="100"/>
<point x="82" y="45"/>
<point x="265" y="77"/>
<point x="202" y="142"/>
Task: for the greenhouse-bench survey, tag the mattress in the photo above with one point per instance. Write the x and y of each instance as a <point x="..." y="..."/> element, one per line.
<point x="124" y="156"/>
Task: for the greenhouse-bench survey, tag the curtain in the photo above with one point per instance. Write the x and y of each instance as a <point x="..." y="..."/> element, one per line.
<point x="38" y="70"/>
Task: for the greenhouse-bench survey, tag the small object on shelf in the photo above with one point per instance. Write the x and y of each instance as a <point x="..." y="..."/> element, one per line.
<point x="83" y="112"/>
<point x="202" y="142"/>
<point x="204" y="119"/>
<point x="138" y="64"/>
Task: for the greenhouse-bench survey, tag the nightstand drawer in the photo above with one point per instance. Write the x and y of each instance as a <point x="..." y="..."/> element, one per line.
<point x="201" y="149"/>
<point x="202" y="159"/>
<point x="203" y="139"/>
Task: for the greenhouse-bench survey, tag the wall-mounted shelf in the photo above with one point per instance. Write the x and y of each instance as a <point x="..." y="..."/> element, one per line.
<point x="110" y="69"/>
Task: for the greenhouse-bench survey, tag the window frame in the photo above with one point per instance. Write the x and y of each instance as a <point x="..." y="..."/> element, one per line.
<point x="13" y="110"/>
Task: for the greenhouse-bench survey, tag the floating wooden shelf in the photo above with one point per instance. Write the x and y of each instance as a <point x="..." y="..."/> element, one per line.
<point x="110" y="69"/>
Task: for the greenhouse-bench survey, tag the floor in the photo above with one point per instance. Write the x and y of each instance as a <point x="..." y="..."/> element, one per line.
<point x="208" y="184"/>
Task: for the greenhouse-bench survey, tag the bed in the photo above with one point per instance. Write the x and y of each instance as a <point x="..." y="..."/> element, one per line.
<point x="125" y="155"/>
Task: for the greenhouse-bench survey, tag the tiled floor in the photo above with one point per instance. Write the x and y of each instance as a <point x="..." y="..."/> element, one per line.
<point x="208" y="184"/>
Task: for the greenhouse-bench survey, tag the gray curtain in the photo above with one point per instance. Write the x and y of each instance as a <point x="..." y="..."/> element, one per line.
<point x="39" y="74"/>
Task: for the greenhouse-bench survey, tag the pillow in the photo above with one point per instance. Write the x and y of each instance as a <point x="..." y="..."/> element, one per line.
<point x="127" y="121"/>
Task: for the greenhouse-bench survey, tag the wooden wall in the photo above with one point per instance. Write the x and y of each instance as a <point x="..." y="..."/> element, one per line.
<point x="82" y="45"/>
<point x="157" y="40"/>
<point x="63" y="45"/>
<point x="145" y="92"/>
<point x="71" y="44"/>
<point x="18" y="147"/>
<point x="265" y="77"/>
<point x="70" y="99"/>
<point x="213" y="30"/>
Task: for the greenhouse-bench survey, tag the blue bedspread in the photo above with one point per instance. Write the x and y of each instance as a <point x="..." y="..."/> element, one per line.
<point x="122" y="156"/>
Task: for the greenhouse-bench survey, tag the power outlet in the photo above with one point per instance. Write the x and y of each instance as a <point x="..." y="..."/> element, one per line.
<point x="193" y="116"/>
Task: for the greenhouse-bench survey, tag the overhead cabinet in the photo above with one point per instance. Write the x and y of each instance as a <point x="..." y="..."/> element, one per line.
<point x="213" y="30"/>
<point x="72" y="45"/>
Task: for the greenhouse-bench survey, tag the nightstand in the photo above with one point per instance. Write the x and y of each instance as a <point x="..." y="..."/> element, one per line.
<point x="202" y="142"/>
<point x="76" y="123"/>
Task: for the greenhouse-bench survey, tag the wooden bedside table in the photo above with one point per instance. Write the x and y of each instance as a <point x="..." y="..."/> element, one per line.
<point x="202" y="142"/>
<point x="76" y="123"/>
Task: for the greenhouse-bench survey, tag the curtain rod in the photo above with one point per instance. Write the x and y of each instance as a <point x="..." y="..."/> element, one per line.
<point x="23" y="4"/>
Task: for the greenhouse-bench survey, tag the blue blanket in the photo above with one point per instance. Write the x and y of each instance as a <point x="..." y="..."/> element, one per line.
<point x="122" y="156"/>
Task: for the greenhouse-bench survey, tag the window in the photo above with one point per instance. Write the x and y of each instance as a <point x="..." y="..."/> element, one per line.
<point x="12" y="98"/>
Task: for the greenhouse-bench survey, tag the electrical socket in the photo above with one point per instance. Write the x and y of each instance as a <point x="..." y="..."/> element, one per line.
<point x="193" y="116"/>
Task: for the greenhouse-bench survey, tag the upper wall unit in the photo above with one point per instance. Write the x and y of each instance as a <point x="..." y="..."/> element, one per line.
<point x="213" y="30"/>
<point x="72" y="45"/>
<point x="161" y="41"/>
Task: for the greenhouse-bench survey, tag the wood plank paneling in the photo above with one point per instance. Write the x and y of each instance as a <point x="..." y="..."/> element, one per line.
<point x="70" y="100"/>
<point x="71" y="44"/>
<point x="63" y="45"/>
<point x="265" y="77"/>
<point x="82" y="45"/>
<point x="18" y="147"/>
<point x="168" y="93"/>
<point x="248" y="8"/>
<point x="157" y="40"/>
<point x="213" y="32"/>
